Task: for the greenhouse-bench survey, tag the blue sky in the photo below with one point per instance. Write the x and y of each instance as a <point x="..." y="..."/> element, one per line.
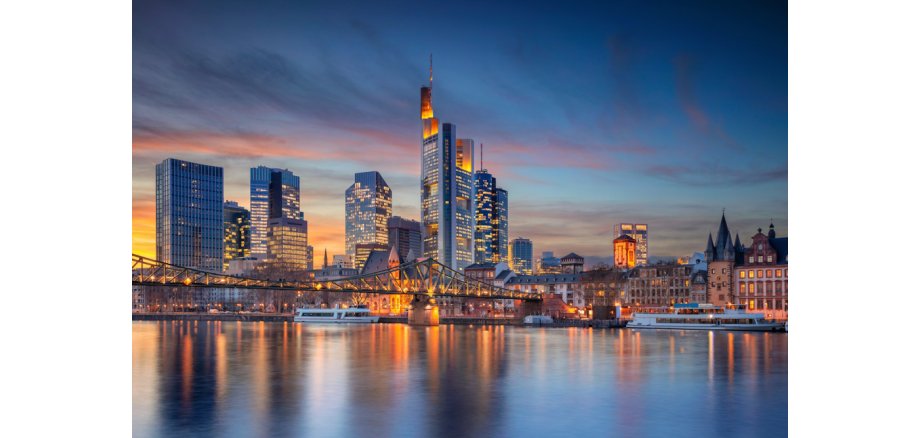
<point x="591" y="114"/>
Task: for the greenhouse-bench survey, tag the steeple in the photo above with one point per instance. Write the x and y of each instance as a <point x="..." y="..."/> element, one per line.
<point x="325" y="259"/>
<point x="710" y="249"/>
<point x="738" y="247"/>
<point x="772" y="233"/>
<point x="724" y="238"/>
<point x="393" y="260"/>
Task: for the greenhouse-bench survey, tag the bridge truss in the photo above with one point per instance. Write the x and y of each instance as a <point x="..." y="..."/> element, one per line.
<point x="423" y="277"/>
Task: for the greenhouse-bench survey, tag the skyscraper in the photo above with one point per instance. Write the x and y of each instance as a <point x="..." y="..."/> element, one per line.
<point x="406" y="236"/>
<point x="522" y="256"/>
<point x="447" y="191"/>
<point x="189" y="214"/>
<point x="491" y="219"/>
<point x="236" y="232"/>
<point x="368" y="207"/>
<point x="273" y="193"/>
<point x="639" y="233"/>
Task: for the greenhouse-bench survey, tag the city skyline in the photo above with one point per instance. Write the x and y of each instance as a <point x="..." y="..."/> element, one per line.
<point x="672" y="127"/>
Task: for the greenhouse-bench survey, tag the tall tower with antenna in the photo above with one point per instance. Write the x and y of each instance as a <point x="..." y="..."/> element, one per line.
<point x="446" y="186"/>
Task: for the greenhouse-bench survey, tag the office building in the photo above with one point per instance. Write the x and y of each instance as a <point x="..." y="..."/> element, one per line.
<point x="522" y="256"/>
<point x="368" y="207"/>
<point x="273" y="193"/>
<point x="406" y="236"/>
<point x="287" y="243"/>
<point x="364" y="250"/>
<point x="189" y="214"/>
<point x="447" y="191"/>
<point x="491" y="220"/>
<point x="342" y="261"/>
<point x="236" y="232"/>
<point x="639" y="233"/>
<point x="549" y="264"/>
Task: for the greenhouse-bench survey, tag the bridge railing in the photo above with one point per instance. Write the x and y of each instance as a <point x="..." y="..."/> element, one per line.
<point x="427" y="276"/>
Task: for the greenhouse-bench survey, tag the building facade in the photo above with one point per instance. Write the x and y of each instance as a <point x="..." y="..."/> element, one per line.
<point x="287" y="243"/>
<point x="659" y="285"/>
<point x="639" y="233"/>
<point x="342" y="261"/>
<point x="189" y="214"/>
<point x="572" y="263"/>
<point x="447" y="190"/>
<point x="721" y="257"/>
<point x="273" y="193"/>
<point x="761" y="279"/>
<point x="522" y="256"/>
<point x="406" y="236"/>
<point x="364" y="250"/>
<point x="368" y="208"/>
<point x="236" y="232"/>
<point x="624" y="252"/>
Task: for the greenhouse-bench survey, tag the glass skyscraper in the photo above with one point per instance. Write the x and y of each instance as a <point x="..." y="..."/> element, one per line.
<point x="639" y="233"/>
<point x="189" y="214"/>
<point x="236" y="232"/>
<point x="491" y="220"/>
<point x="368" y="207"/>
<point x="273" y="193"/>
<point x="522" y="256"/>
<point x="447" y="191"/>
<point x="287" y="243"/>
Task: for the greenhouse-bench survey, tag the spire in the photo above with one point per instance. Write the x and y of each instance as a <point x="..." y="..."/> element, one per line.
<point x="481" y="158"/>
<point x="738" y="247"/>
<point x="325" y="259"/>
<point x="772" y="233"/>
<point x="724" y="237"/>
<point x="710" y="249"/>
<point x="430" y="71"/>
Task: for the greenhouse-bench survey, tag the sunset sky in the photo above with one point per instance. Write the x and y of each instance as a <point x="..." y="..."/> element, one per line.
<point x="590" y="114"/>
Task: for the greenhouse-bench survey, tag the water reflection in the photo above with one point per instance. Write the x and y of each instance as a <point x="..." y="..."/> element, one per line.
<point x="284" y="379"/>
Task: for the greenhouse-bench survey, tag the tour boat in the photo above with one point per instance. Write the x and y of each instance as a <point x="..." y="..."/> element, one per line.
<point x="695" y="316"/>
<point x="336" y="316"/>
<point x="537" y="320"/>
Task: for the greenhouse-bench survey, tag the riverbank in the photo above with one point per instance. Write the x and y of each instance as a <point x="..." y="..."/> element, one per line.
<point x="447" y="320"/>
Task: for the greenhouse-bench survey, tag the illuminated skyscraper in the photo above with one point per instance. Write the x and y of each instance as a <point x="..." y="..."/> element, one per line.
<point x="273" y="193"/>
<point x="368" y="207"/>
<point x="189" y="214"/>
<point x="447" y="191"/>
<point x="491" y="220"/>
<point x="522" y="256"/>
<point x="639" y="233"/>
<point x="236" y="232"/>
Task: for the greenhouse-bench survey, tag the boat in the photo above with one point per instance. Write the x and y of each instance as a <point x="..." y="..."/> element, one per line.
<point x="335" y="316"/>
<point x="537" y="320"/>
<point x="694" y="316"/>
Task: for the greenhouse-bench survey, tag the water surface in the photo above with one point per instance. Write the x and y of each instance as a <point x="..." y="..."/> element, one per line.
<point x="390" y="380"/>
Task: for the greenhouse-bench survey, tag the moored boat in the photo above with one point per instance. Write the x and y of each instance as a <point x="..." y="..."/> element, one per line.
<point x="335" y="316"/>
<point x="695" y="316"/>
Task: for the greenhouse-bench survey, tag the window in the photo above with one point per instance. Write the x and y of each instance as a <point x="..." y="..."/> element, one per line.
<point x="751" y="259"/>
<point x="769" y="273"/>
<point x="742" y="274"/>
<point x="779" y="273"/>
<point x="760" y="273"/>
<point x="769" y="259"/>
<point x="750" y="273"/>
<point x="760" y="259"/>
<point x="743" y="288"/>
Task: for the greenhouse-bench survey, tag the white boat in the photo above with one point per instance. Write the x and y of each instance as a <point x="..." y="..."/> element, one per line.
<point x="537" y="320"/>
<point x="335" y="316"/>
<point x="695" y="316"/>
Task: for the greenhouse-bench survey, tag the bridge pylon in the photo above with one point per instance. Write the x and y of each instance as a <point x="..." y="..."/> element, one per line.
<point x="424" y="311"/>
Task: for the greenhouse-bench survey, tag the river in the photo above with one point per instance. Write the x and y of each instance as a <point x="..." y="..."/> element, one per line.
<point x="390" y="380"/>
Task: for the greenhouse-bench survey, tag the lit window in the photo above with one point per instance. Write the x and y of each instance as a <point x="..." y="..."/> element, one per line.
<point x="769" y="273"/>
<point x="743" y="274"/>
<point x="751" y="259"/>
<point x="760" y="273"/>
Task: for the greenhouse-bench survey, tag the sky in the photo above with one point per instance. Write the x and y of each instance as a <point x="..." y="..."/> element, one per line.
<point x="590" y="114"/>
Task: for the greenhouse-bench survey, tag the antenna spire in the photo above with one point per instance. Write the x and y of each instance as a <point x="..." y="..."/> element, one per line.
<point x="430" y="71"/>
<point x="481" y="159"/>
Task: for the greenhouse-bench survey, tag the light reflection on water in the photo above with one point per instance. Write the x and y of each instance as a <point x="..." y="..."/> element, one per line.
<point x="378" y="380"/>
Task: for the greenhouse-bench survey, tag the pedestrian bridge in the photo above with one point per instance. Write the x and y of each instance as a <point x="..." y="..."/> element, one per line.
<point x="421" y="277"/>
